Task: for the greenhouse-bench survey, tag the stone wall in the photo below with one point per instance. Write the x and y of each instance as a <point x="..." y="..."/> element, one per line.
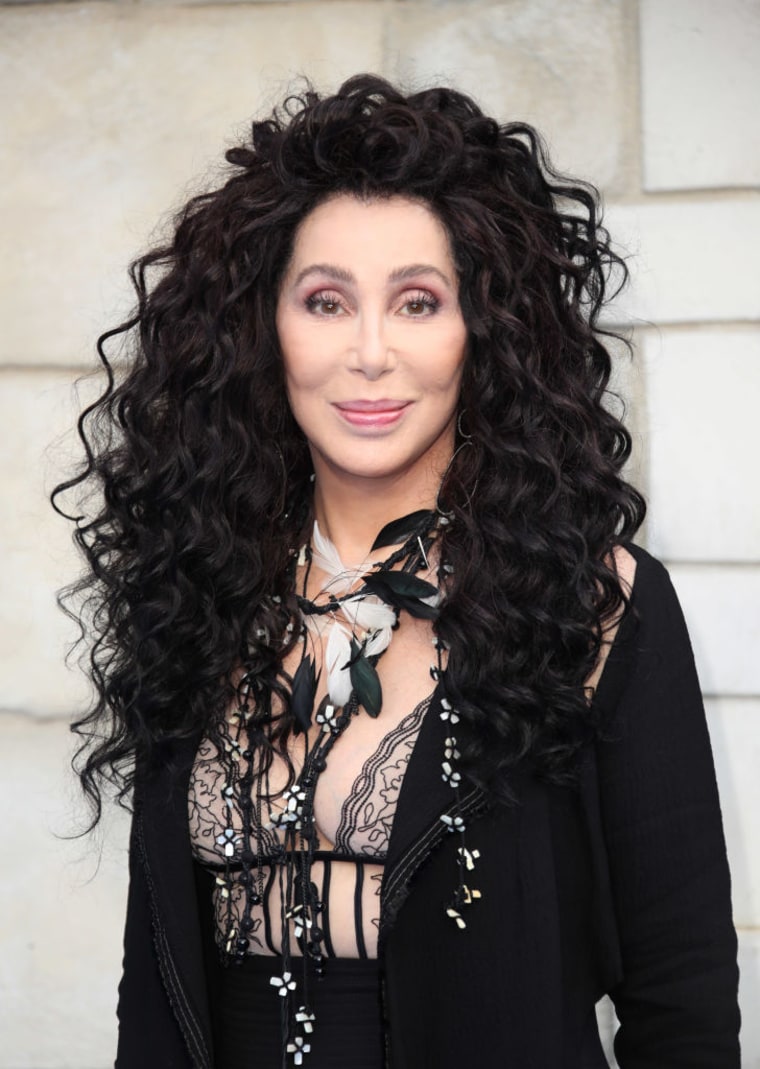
<point x="114" y="111"/>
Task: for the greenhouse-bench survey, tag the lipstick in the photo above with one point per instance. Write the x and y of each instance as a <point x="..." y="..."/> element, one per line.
<point x="372" y="414"/>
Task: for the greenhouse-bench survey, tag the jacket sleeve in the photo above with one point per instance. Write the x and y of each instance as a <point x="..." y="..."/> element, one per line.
<point x="149" y="1037"/>
<point x="677" y="1000"/>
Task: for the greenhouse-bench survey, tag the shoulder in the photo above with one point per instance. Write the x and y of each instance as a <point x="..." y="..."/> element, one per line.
<point x="649" y="700"/>
<point x="641" y="575"/>
<point x="646" y="582"/>
<point x="645" y="633"/>
<point x="656" y="615"/>
<point x="645" y="567"/>
<point x="625" y="565"/>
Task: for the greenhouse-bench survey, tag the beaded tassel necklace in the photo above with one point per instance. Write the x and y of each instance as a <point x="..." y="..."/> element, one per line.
<point x="384" y="591"/>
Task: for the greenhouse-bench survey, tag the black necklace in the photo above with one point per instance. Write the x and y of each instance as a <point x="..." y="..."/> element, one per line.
<point x="383" y="592"/>
<point x="395" y="584"/>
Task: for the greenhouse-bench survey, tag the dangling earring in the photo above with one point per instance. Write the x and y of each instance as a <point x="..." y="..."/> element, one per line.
<point x="283" y="498"/>
<point x="466" y="441"/>
<point x="460" y="429"/>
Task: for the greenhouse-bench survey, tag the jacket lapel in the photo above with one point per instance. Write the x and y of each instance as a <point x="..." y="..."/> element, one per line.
<point x="423" y="795"/>
<point x="168" y="859"/>
<point x="423" y="799"/>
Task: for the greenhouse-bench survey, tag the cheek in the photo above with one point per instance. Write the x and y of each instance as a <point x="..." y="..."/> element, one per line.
<point x="306" y="363"/>
<point x="302" y="400"/>
<point x="445" y="364"/>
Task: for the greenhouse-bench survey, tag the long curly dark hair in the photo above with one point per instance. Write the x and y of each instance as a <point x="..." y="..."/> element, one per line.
<point x="201" y="476"/>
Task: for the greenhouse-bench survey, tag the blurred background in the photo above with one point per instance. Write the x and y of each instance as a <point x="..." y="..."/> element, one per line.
<point x="113" y="112"/>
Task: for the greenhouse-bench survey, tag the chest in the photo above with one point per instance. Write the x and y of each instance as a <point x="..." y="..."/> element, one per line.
<point x="354" y="799"/>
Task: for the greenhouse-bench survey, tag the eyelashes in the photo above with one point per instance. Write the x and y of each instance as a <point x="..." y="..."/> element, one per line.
<point x="416" y="304"/>
<point x="323" y="302"/>
<point x="424" y="302"/>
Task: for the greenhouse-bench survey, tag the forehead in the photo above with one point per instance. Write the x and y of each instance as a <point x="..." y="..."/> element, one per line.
<point x="378" y="229"/>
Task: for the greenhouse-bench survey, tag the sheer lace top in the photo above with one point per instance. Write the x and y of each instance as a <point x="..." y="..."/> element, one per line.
<point x="347" y="868"/>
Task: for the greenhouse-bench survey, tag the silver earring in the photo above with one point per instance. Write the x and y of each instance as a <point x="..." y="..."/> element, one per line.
<point x="446" y="516"/>
<point x="460" y="430"/>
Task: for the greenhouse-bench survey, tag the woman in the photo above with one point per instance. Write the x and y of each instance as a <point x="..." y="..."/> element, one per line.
<point x="419" y="762"/>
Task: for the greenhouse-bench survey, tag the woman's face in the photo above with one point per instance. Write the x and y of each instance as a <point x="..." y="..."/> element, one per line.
<point x="372" y="338"/>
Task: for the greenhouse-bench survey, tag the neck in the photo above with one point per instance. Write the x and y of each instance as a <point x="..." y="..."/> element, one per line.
<point x="351" y="515"/>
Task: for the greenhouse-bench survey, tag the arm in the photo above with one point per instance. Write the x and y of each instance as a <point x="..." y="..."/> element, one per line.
<point x="677" y="1000"/>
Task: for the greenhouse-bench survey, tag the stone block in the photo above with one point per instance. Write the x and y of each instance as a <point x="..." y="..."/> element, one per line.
<point x="734" y="725"/>
<point x="565" y="68"/>
<point x="703" y="396"/>
<point x="62" y="905"/>
<point x="627" y="401"/>
<point x="694" y="260"/>
<point x="172" y="3"/>
<point x="721" y="609"/>
<point x="110" y="124"/>
<point x="700" y="87"/>
<point x="37" y="409"/>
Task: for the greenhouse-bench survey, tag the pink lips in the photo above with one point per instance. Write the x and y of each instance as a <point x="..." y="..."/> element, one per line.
<point x="372" y="413"/>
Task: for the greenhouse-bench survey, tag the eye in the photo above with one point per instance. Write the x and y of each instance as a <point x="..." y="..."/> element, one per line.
<point x="325" y="303"/>
<point x="419" y="304"/>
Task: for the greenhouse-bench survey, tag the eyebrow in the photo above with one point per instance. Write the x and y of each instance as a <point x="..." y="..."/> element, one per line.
<point x="400" y="274"/>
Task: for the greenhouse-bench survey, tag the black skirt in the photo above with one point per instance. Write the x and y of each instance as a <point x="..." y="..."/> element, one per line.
<point x="248" y="1018"/>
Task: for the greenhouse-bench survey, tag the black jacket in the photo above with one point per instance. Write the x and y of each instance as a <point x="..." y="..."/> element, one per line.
<point x="620" y="886"/>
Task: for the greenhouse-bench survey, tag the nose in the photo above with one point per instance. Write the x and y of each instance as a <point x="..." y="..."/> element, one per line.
<point x="372" y="353"/>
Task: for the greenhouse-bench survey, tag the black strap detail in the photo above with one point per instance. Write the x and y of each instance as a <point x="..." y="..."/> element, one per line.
<point x="325" y="915"/>
<point x="358" y="915"/>
<point x="267" y="917"/>
<point x="318" y="855"/>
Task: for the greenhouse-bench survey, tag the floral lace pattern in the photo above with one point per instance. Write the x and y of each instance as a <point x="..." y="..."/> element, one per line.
<point x="366" y="817"/>
<point x="348" y="875"/>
